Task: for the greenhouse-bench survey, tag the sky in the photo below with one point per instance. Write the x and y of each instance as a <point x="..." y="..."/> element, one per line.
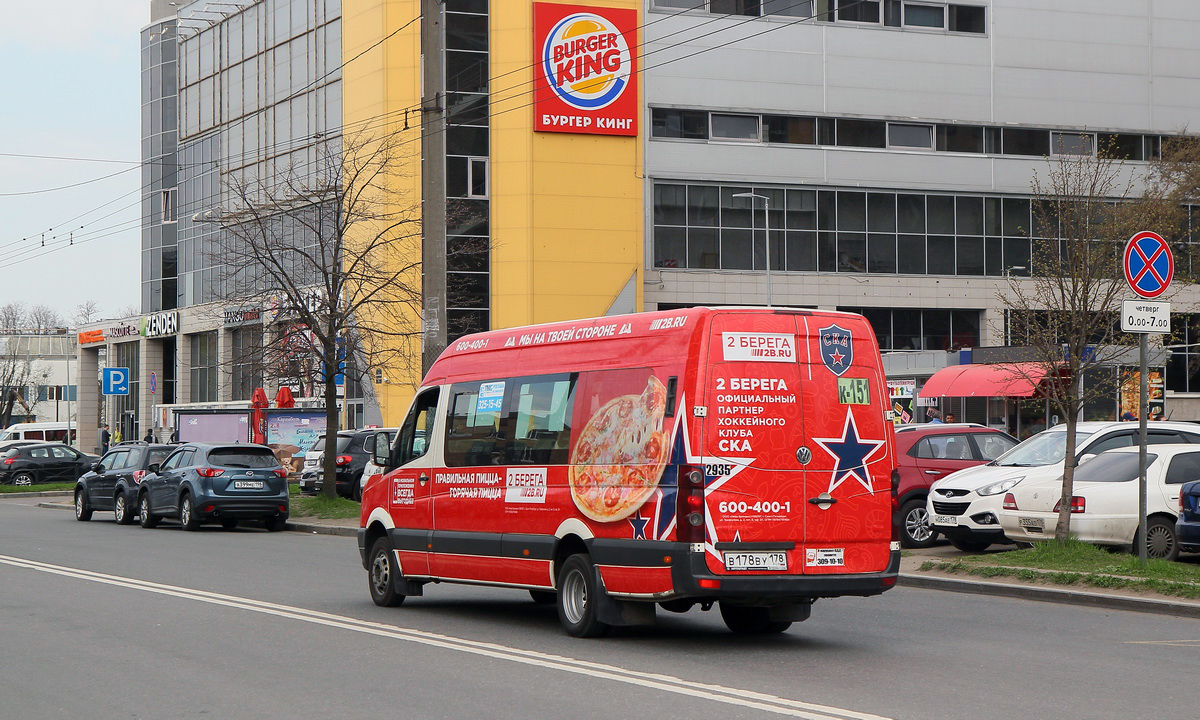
<point x="71" y="89"/>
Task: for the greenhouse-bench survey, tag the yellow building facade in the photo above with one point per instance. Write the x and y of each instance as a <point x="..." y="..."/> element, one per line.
<point x="559" y="213"/>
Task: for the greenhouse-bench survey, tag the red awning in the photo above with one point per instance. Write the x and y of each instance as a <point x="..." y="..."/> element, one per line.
<point x="1015" y="380"/>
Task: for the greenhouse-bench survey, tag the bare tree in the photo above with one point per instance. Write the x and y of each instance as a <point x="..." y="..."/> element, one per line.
<point x="86" y="312"/>
<point x="12" y="316"/>
<point x="15" y="373"/>
<point x="128" y="310"/>
<point x="1084" y="211"/>
<point x="43" y="319"/>
<point x="333" y="253"/>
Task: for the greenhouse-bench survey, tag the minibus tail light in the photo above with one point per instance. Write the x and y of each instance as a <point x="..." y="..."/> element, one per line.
<point x="689" y="517"/>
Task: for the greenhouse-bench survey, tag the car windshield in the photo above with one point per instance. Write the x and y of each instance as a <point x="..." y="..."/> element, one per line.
<point x="1111" y="467"/>
<point x="243" y="457"/>
<point x="1045" y="448"/>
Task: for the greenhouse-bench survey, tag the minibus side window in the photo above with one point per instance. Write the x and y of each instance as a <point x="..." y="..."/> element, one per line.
<point x="414" y="436"/>
<point x="540" y="416"/>
<point x="476" y="427"/>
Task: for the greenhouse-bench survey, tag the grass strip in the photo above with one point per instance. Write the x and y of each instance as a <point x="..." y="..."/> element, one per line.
<point x="1062" y="577"/>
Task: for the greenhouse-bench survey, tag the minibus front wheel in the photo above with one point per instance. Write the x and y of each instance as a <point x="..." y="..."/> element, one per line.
<point x="578" y="599"/>
<point x="382" y="574"/>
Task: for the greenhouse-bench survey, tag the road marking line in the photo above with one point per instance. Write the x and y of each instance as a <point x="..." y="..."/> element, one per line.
<point x="666" y="683"/>
<point x="1176" y="643"/>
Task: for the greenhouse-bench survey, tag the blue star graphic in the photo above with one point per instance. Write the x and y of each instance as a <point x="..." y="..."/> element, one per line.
<point x="852" y="455"/>
<point x="639" y="525"/>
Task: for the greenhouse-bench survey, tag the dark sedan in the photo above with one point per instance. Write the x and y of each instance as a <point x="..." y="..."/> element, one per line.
<point x="200" y="482"/>
<point x="353" y="454"/>
<point x="112" y="483"/>
<point x="43" y="463"/>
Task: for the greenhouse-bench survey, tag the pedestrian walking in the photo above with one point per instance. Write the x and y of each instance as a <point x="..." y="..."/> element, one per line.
<point x="149" y="436"/>
<point x="105" y="436"/>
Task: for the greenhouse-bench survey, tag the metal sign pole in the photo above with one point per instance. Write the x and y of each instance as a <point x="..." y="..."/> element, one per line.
<point x="1143" y="411"/>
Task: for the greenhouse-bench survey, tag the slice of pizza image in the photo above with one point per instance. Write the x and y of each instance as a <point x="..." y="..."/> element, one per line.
<point x="620" y="455"/>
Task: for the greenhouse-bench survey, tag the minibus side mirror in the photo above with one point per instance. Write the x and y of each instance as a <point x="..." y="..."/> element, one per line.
<point x="381" y="450"/>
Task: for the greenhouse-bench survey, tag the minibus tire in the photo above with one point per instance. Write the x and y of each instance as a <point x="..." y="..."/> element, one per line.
<point x="577" y="593"/>
<point x="382" y="574"/>
<point x="746" y="620"/>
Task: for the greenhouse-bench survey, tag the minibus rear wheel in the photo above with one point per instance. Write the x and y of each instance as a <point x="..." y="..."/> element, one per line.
<point x="577" y="594"/>
<point x="382" y="575"/>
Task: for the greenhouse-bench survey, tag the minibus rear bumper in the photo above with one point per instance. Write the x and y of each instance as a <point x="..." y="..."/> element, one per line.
<point x="693" y="579"/>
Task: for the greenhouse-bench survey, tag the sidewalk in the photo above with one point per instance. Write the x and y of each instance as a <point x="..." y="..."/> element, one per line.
<point x="911" y="574"/>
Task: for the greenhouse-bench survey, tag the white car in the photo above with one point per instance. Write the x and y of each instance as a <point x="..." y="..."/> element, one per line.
<point x="964" y="507"/>
<point x="371" y="469"/>
<point x="1104" y="500"/>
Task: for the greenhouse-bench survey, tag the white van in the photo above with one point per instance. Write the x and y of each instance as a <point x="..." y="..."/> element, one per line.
<point x="48" y="431"/>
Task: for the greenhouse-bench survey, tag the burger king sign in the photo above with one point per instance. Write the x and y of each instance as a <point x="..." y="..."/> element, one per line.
<point x="585" y="76"/>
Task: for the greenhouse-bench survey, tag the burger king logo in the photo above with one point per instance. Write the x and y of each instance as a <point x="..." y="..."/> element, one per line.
<point x="587" y="61"/>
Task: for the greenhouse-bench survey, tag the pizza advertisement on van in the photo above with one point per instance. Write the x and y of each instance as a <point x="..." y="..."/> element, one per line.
<point x="736" y="458"/>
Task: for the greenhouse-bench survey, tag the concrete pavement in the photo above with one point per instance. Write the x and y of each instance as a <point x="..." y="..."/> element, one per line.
<point x="911" y="574"/>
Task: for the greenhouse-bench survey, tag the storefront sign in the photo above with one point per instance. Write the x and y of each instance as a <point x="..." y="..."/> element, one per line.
<point x="585" y="76"/>
<point x="242" y="316"/>
<point x="91" y="336"/>
<point x="124" y="330"/>
<point x="163" y="323"/>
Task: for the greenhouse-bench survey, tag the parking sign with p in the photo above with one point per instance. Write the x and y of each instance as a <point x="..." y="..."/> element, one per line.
<point x="115" y="381"/>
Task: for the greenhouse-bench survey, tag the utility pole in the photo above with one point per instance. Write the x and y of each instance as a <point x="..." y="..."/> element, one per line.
<point x="433" y="182"/>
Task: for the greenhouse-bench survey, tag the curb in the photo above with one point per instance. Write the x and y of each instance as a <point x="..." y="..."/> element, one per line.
<point x="1054" y="595"/>
<point x="294" y="527"/>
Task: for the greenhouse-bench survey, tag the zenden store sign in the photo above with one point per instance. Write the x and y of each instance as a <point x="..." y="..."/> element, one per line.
<point x="585" y="76"/>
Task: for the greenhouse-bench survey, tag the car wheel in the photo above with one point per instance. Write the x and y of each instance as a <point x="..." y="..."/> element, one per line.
<point x="188" y="517"/>
<point x="229" y="523"/>
<point x="382" y="575"/>
<point x="745" y="620"/>
<point x="83" y="513"/>
<point x="145" y="518"/>
<point x="970" y="545"/>
<point x="121" y="511"/>
<point x="1161" y="543"/>
<point x="576" y="593"/>
<point x="914" y="521"/>
<point x="275" y="523"/>
<point x="24" y="478"/>
<point x="356" y="490"/>
<point x="543" y="597"/>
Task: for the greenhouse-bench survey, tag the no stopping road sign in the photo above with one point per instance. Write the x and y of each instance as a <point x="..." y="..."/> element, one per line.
<point x="1149" y="265"/>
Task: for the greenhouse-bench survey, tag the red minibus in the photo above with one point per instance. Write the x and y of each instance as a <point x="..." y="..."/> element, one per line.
<point x="741" y="457"/>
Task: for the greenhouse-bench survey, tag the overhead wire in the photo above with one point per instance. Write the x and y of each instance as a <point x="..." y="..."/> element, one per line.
<point x="379" y="119"/>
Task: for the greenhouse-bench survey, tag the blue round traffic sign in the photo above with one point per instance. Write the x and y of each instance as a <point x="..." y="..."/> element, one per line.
<point x="1149" y="265"/>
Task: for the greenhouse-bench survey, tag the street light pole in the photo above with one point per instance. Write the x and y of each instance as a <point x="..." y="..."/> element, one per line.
<point x="767" y="225"/>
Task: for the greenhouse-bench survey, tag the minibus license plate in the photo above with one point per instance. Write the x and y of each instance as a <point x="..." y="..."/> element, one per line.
<point x="945" y="519"/>
<point x="756" y="561"/>
<point x="247" y="484"/>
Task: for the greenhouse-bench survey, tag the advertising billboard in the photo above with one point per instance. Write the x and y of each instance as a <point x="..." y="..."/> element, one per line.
<point x="585" y="69"/>
<point x="214" y="427"/>
<point x="290" y="433"/>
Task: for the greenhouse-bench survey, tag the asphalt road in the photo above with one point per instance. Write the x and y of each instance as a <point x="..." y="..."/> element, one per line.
<point x="103" y="621"/>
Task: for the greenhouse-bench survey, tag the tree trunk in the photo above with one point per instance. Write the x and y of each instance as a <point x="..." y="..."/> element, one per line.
<point x="329" y="376"/>
<point x="1063" y="531"/>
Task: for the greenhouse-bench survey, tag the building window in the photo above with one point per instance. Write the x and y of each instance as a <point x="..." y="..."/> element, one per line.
<point x="734" y="127"/>
<point x="1063" y="143"/>
<point x="168" y="205"/>
<point x="922" y="329"/>
<point x="861" y="133"/>
<point x="901" y="135"/>
<point x="789" y="130"/>
<point x="967" y="18"/>
<point x="477" y="177"/>
<point x="669" y="123"/>
<point x="735" y="7"/>
<point x="841" y="230"/>
<point x="925" y="16"/>
<point x="1019" y="141"/>
<point x="864" y="11"/>
<point x="788" y="8"/>
<point x="247" y="361"/>
<point x="959" y="138"/>
<point x="205" y="385"/>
